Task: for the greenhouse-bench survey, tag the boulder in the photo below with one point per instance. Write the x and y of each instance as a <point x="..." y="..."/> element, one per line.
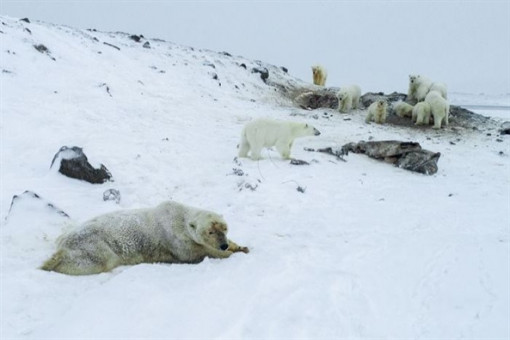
<point x="112" y="195"/>
<point x="74" y="164"/>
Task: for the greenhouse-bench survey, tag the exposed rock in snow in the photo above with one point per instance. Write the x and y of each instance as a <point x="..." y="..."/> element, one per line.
<point x="112" y="195"/>
<point x="28" y="201"/>
<point x="74" y="164"/>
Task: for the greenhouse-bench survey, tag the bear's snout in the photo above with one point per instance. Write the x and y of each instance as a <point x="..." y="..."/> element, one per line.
<point x="224" y="246"/>
<point x="317" y="132"/>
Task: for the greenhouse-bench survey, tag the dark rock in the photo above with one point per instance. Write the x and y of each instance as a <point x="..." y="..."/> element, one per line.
<point x="135" y="37"/>
<point x="237" y="172"/>
<point x="298" y="162"/>
<point x="214" y="76"/>
<point x="284" y="69"/>
<point x="264" y="73"/>
<point x="25" y="20"/>
<point x="74" y="164"/>
<point x="505" y="128"/>
<point x="301" y="189"/>
<point x="32" y="196"/>
<point x="405" y="155"/>
<point x="44" y="50"/>
<point x="112" y="195"/>
<point x="243" y="65"/>
<point x="27" y="30"/>
<point x="107" y="88"/>
<point x="226" y="53"/>
<point x="146" y="45"/>
<point x="41" y="48"/>
<point x="111" y="45"/>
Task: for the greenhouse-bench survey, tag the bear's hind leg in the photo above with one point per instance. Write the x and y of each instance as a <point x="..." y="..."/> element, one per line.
<point x="244" y="147"/>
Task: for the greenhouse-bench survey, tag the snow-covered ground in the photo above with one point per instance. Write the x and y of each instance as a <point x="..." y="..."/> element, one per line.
<point x="367" y="250"/>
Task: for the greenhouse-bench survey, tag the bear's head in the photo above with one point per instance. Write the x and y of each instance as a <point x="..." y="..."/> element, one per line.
<point x="413" y="78"/>
<point x="381" y="105"/>
<point x="303" y="129"/>
<point x="208" y="229"/>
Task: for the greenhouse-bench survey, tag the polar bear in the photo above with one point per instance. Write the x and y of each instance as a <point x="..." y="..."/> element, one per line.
<point x="377" y="112"/>
<point x="319" y="75"/>
<point x="418" y="88"/>
<point x="348" y="98"/>
<point x="439" y="107"/>
<point x="261" y="133"/>
<point x="421" y="113"/>
<point x="441" y="88"/>
<point x="170" y="232"/>
<point x="403" y="109"/>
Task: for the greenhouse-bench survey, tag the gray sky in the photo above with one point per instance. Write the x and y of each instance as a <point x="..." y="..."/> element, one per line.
<point x="375" y="44"/>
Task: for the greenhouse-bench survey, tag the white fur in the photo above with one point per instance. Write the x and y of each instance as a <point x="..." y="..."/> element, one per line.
<point x="377" y="112"/>
<point x="403" y="109"/>
<point x="441" y="88"/>
<point x="418" y="88"/>
<point x="348" y="98"/>
<point x="421" y="113"/>
<point x="439" y="107"/>
<point x="262" y="133"/>
<point x="171" y="232"/>
<point x="319" y="75"/>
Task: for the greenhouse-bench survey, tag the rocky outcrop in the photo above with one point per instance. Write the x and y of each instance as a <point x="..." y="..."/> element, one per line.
<point x="74" y="164"/>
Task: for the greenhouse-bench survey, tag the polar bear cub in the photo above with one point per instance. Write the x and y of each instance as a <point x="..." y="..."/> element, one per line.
<point x="319" y="75"/>
<point x="348" y="98"/>
<point x="261" y="133"/>
<point x="439" y="107"/>
<point x="418" y="88"/>
<point x="421" y="113"/>
<point x="403" y="109"/>
<point x="171" y="232"/>
<point x="377" y="112"/>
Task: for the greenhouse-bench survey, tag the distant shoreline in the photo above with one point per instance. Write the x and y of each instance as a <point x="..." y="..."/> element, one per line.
<point x="485" y="107"/>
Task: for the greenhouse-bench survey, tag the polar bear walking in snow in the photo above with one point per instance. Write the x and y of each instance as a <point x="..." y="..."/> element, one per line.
<point x="319" y="75"/>
<point x="171" y="232"/>
<point x="377" y="112"/>
<point x="262" y="133"/>
<point x="348" y="98"/>
<point x="439" y="107"/>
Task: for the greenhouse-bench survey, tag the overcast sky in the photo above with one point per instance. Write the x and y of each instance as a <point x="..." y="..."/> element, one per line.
<point x="375" y="44"/>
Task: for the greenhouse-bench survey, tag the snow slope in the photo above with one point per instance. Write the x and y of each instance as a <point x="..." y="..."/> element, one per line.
<point x="367" y="250"/>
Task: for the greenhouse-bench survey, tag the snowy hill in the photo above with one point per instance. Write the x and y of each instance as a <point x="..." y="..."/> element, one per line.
<point x="367" y="250"/>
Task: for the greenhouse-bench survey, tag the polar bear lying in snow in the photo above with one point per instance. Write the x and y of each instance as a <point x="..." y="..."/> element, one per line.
<point x="262" y="133"/>
<point x="171" y="232"/>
